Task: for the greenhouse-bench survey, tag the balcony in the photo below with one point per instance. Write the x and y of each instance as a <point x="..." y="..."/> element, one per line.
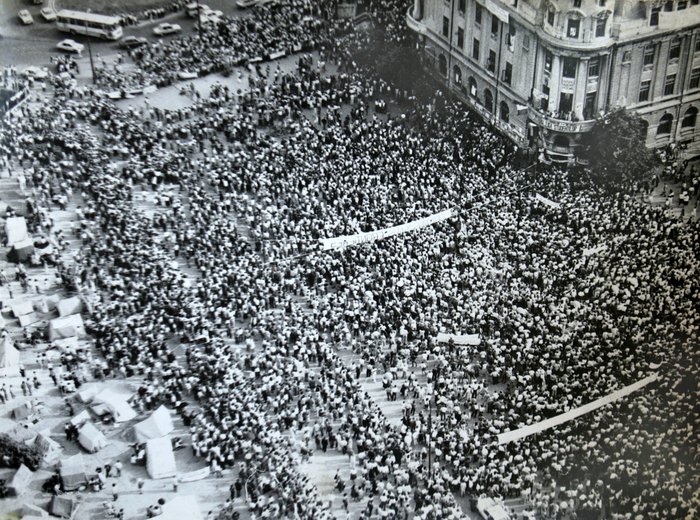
<point x="559" y="125"/>
<point x="414" y="24"/>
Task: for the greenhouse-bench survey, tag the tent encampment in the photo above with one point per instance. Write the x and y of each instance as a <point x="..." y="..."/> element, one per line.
<point x="49" y="448"/>
<point x="9" y="358"/>
<point x="21" y="251"/>
<point x="158" y="425"/>
<point x="181" y="508"/>
<point x="19" y="482"/>
<point x="66" y="327"/>
<point x="16" y="230"/>
<point x="160" y="459"/>
<point x="69" y="306"/>
<point x="91" y="438"/>
<point x="116" y="405"/>
<point x="72" y="472"/>
<point x="23" y="411"/>
<point x="62" y="506"/>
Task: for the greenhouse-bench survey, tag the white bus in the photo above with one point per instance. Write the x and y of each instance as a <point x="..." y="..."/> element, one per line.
<point x="77" y="22"/>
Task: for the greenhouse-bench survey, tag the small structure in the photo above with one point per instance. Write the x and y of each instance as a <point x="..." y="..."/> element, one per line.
<point x="158" y="425"/>
<point x="23" y="411"/>
<point x="9" y="358"/>
<point x="72" y="472"/>
<point x="115" y="404"/>
<point x="66" y="327"/>
<point x="49" y="448"/>
<point x="19" y="482"/>
<point x="92" y="439"/>
<point x="69" y="306"/>
<point x="62" y="506"/>
<point x="160" y="459"/>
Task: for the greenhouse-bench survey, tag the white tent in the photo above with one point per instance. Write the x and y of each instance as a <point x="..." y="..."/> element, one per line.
<point x="160" y="459"/>
<point x="181" y="508"/>
<point x="9" y="358"/>
<point x="66" y="327"/>
<point x="72" y="471"/>
<point x="69" y="306"/>
<point x="158" y="425"/>
<point x="50" y="449"/>
<point x="91" y="438"/>
<point x="16" y="230"/>
<point x="81" y="418"/>
<point x="86" y="393"/>
<point x="20" y="309"/>
<point x="116" y="405"/>
<point x="19" y="482"/>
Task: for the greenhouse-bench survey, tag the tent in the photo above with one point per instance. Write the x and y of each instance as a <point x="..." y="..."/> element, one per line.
<point x="32" y="511"/>
<point x="16" y="230"/>
<point x="87" y="393"/>
<point x="72" y="472"/>
<point x="9" y="358"/>
<point x="181" y="508"/>
<point x="158" y="425"/>
<point x="81" y="418"/>
<point x="19" y="482"/>
<point x="23" y="411"/>
<point x="66" y="327"/>
<point x="116" y="405"/>
<point x="62" y="506"/>
<point x="160" y="459"/>
<point x="91" y="438"/>
<point x="49" y="448"/>
<point x="21" y="309"/>
<point x="21" y="251"/>
<point x="69" y="306"/>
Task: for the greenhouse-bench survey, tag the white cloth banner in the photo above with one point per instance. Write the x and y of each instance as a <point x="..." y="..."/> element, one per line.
<point x="464" y="339"/>
<point x="531" y="429"/>
<point x="547" y="202"/>
<point x="363" y="238"/>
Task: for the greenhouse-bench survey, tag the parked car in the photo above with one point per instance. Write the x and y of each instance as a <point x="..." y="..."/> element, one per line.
<point x="165" y="29"/>
<point x="25" y="17"/>
<point x="34" y="72"/>
<point x="69" y="45"/>
<point x="129" y="42"/>
<point x="244" y="4"/>
<point x="192" y="9"/>
<point x="48" y="14"/>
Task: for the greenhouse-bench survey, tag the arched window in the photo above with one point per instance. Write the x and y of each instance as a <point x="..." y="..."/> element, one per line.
<point x="690" y="117"/>
<point x="458" y="75"/>
<point x="505" y="111"/>
<point x="561" y="142"/>
<point x="665" y="125"/>
<point x="442" y="65"/>
<point x="472" y="86"/>
<point x="488" y="100"/>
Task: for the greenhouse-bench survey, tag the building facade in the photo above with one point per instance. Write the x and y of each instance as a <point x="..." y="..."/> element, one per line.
<point x="542" y="71"/>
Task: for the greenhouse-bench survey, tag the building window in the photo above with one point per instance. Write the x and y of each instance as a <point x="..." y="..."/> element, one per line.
<point x="488" y="100"/>
<point x="694" y="2"/>
<point x="508" y="74"/>
<point x="665" y="125"/>
<point x="574" y="26"/>
<point x="550" y="17"/>
<point x="670" y="85"/>
<point x="548" y="61"/>
<point x="600" y="28"/>
<point x="544" y="102"/>
<point x="668" y="6"/>
<point x="462" y="6"/>
<point x="675" y="52"/>
<point x="445" y="26"/>
<point x="491" y="64"/>
<point x="526" y="42"/>
<point x="472" y="86"/>
<point x="589" y="108"/>
<point x="569" y="69"/>
<point x="694" y="78"/>
<point x="648" y="56"/>
<point x="690" y="118"/>
<point x="654" y="18"/>
<point x="577" y="4"/>
<point x="681" y="5"/>
<point x="566" y="103"/>
<point x="697" y="43"/>
<point x="477" y="14"/>
<point x="510" y="38"/>
<point x="505" y="112"/>
<point x="494" y="25"/>
<point x="475" y="50"/>
<point x="458" y="75"/>
<point x="601" y="3"/>
<point x="644" y="89"/>
<point x="460" y="38"/>
<point x="593" y="67"/>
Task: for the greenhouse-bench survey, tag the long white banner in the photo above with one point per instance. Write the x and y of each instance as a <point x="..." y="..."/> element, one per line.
<point x="531" y="429"/>
<point x="547" y="202"/>
<point x="363" y="238"/>
<point x="463" y="339"/>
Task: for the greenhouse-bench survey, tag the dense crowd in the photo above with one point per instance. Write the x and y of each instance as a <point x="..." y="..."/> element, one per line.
<point x="570" y="303"/>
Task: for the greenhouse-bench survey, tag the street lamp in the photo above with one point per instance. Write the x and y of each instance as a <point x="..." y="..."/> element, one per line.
<point x="92" y="64"/>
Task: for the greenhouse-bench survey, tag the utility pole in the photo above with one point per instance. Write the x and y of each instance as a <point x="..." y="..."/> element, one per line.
<point x="199" y="23"/>
<point x="92" y="64"/>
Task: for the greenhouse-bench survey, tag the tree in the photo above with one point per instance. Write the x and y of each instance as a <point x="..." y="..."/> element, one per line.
<point x="615" y="150"/>
<point x="14" y="453"/>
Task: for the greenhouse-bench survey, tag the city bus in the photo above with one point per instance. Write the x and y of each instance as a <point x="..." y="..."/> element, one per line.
<point x="91" y="24"/>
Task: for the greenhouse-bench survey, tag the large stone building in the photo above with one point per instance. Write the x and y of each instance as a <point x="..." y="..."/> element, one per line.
<point x="543" y="70"/>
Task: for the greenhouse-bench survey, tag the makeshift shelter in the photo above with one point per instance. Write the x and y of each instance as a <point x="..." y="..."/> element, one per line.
<point x="49" y="448"/>
<point x="66" y="327"/>
<point x="160" y="459"/>
<point x="62" y="506"/>
<point x="181" y="508"/>
<point x="87" y="393"/>
<point x="81" y="418"/>
<point x="16" y="230"/>
<point x="116" y="405"/>
<point x="19" y="482"/>
<point x="9" y="358"/>
<point x="158" y="425"/>
<point x="30" y="511"/>
<point x="69" y="306"/>
<point x="20" y="309"/>
<point x="72" y="472"/>
<point x="91" y="438"/>
<point x="21" y="251"/>
<point x="23" y="411"/>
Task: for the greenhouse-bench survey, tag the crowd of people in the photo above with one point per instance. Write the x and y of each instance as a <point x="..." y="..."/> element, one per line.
<point x="570" y="303"/>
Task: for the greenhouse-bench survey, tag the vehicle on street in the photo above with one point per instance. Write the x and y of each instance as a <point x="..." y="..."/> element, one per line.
<point x="69" y="45"/>
<point x="34" y="72"/>
<point x="130" y="42"/>
<point x="25" y="17"/>
<point x="193" y="7"/>
<point x="244" y="4"/>
<point x="210" y="16"/>
<point x="90" y="24"/>
<point x="48" y="14"/>
<point x="165" y="29"/>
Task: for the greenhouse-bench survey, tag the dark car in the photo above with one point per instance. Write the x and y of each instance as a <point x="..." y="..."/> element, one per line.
<point x="129" y="42"/>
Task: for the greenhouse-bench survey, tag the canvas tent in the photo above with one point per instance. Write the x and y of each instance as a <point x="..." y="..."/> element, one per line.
<point x="21" y="251"/>
<point x="62" y="506"/>
<point x="160" y="459"/>
<point x="30" y="511"/>
<point x="72" y="472"/>
<point x="158" y="425"/>
<point x="91" y="438"/>
<point x="116" y="405"/>
<point x="9" y="358"/>
<point x="16" y="230"/>
<point x="81" y="418"/>
<point x="20" y="309"/>
<point x="181" y="508"/>
<point x="49" y="448"/>
<point x="23" y="411"/>
<point x="66" y="327"/>
<point x="19" y="482"/>
<point x="69" y="306"/>
<point x="87" y="393"/>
